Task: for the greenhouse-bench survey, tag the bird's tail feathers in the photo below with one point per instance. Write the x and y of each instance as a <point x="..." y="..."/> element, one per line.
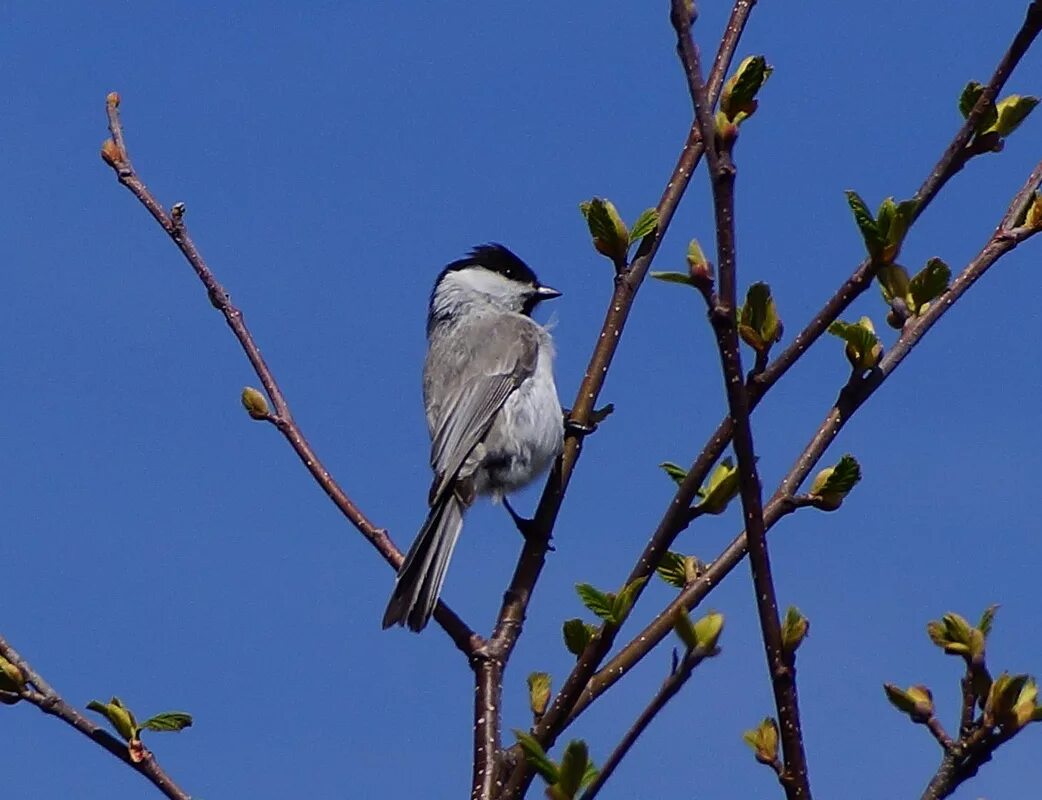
<point x="422" y="573"/>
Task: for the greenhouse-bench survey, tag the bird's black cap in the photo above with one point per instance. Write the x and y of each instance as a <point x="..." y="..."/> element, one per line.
<point x="497" y="258"/>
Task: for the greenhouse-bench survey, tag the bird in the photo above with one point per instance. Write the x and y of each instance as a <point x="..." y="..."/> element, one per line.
<point x="492" y="409"/>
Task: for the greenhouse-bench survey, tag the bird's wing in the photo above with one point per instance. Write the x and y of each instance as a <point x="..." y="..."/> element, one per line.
<point x="508" y="351"/>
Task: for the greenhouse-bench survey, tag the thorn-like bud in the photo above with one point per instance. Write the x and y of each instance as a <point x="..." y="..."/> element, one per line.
<point x="112" y="99"/>
<point x="255" y="403"/>
<point x="177" y="213"/>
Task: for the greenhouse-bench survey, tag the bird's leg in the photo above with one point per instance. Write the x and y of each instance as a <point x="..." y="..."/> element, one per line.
<point x="525" y="525"/>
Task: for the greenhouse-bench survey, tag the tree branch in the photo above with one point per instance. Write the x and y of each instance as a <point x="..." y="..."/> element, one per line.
<point x="722" y="316"/>
<point x="626" y="286"/>
<point x="676" y="518"/>
<point x="45" y="698"/>
<point x="1005" y="239"/>
<point x="488" y="696"/>
<point x="115" y="154"/>
<point x="670" y="686"/>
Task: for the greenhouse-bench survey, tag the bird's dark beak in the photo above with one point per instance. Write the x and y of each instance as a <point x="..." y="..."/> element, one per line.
<point x="547" y="293"/>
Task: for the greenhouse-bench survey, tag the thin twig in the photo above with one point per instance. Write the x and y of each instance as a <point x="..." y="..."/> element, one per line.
<point x="116" y="156"/>
<point x="670" y="686"/>
<point x="45" y="698"/>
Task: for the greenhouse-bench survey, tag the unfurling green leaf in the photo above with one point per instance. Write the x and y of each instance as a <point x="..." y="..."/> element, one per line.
<point x="11" y="677"/>
<point x="679" y="570"/>
<point x="645" y="224"/>
<point x="987" y="619"/>
<point x="1010" y="112"/>
<point x="956" y="637"/>
<point x="758" y="322"/>
<point x="1011" y="702"/>
<point x="119" y="716"/>
<point x="892" y="221"/>
<point x="536" y="757"/>
<point x="699" y="270"/>
<point x="674" y="471"/>
<point x="833" y="484"/>
<point x="863" y="350"/>
<point x="169" y="721"/>
<point x="708" y="630"/>
<point x="794" y="630"/>
<point x="623" y="602"/>
<point x="538" y="693"/>
<point x="574" y="762"/>
<point x="671" y="277"/>
<point x="720" y="489"/>
<point x="610" y="235"/>
<point x="968" y="99"/>
<point x="738" y="98"/>
<point x="927" y="285"/>
<point x="866" y="223"/>
<point x="763" y="739"/>
<point x="254" y="403"/>
<point x="915" y="701"/>
<point x="600" y="603"/>
<point x="577" y="634"/>
<point x="685" y="629"/>
<point x="893" y="282"/>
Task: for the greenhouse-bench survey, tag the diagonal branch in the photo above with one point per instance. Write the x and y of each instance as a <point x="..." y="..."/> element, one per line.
<point x="673" y="683"/>
<point x="722" y="316"/>
<point x="45" y="698"/>
<point x="114" y="152"/>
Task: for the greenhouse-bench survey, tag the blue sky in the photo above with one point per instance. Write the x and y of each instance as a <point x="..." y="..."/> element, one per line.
<point x="161" y="546"/>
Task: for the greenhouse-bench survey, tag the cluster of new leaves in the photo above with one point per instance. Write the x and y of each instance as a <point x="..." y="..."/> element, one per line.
<point x="738" y="99"/>
<point x="1005" y="704"/>
<point x="610" y="606"/>
<point x="679" y="570"/>
<point x="997" y="121"/>
<point x="701" y="636"/>
<point x="126" y="725"/>
<point x="716" y="493"/>
<point x="611" y="236"/>
<point x="831" y="486"/>
<point x="563" y="780"/>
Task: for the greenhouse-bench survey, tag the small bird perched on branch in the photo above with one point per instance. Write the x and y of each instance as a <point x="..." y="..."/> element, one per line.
<point x="492" y="409"/>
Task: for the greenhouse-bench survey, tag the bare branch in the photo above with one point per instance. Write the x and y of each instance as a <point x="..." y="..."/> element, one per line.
<point x="670" y="686"/>
<point x="115" y="154"/>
